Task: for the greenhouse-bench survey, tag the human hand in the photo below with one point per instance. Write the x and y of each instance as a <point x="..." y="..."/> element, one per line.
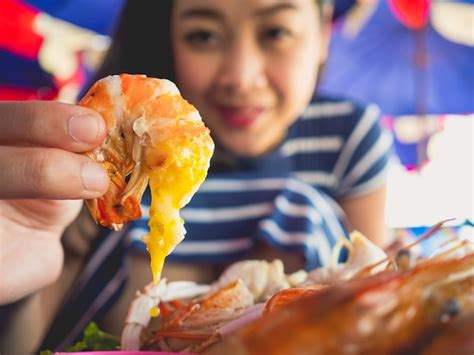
<point x="43" y="180"/>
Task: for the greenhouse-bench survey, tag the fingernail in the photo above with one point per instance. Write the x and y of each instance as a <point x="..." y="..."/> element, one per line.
<point x="84" y="128"/>
<point x="94" y="177"/>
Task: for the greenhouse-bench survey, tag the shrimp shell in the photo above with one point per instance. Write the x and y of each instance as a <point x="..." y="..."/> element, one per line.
<point x="141" y="113"/>
<point x="154" y="135"/>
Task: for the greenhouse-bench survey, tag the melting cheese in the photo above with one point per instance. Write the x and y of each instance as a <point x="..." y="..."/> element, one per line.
<point x="172" y="186"/>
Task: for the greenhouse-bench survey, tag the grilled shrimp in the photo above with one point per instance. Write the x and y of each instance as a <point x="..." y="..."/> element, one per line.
<point x="362" y="253"/>
<point x="391" y="312"/>
<point x="193" y="325"/>
<point x="154" y="135"/>
<point x="145" y="306"/>
<point x="261" y="277"/>
<point x="454" y="336"/>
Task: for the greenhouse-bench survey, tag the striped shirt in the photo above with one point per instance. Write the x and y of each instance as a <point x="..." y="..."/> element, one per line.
<point x="286" y="199"/>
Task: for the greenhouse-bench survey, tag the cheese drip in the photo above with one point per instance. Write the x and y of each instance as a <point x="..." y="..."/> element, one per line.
<point x="171" y="189"/>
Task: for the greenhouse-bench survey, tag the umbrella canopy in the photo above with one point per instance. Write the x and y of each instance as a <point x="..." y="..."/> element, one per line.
<point x="402" y="64"/>
<point x="48" y="48"/>
<point x="98" y="16"/>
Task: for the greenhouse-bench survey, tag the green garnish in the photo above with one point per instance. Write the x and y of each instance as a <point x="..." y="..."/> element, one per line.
<point x="93" y="339"/>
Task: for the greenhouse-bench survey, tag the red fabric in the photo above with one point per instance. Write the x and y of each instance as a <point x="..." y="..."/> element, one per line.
<point x="25" y="94"/>
<point x="412" y="13"/>
<point x="19" y="39"/>
<point x="16" y="28"/>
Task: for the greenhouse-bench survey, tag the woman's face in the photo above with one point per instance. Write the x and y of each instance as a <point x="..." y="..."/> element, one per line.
<point x="249" y="66"/>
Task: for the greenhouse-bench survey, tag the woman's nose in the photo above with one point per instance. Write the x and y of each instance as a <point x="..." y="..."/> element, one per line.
<point x="242" y="67"/>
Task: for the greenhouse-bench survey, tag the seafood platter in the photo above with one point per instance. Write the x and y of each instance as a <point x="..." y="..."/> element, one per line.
<point x="376" y="302"/>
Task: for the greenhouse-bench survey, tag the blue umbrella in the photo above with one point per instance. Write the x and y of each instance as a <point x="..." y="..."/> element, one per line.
<point x="98" y="16"/>
<point x="404" y="71"/>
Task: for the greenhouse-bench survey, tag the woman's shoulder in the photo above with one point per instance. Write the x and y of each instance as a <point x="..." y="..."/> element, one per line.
<point x="334" y="116"/>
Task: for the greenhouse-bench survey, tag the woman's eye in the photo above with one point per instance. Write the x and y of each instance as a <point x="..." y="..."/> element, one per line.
<point x="201" y="38"/>
<point x="276" y="34"/>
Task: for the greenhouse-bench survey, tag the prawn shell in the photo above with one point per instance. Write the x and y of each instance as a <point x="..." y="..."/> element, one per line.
<point x="352" y="318"/>
<point x="283" y="298"/>
<point x="141" y="115"/>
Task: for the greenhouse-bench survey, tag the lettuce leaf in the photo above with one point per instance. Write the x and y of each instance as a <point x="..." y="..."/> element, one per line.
<point x="93" y="339"/>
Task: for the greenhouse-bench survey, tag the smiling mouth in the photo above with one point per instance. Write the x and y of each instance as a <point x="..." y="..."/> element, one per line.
<point x="240" y="117"/>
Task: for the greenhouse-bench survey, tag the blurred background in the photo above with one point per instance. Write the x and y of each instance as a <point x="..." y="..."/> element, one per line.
<point x="414" y="58"/>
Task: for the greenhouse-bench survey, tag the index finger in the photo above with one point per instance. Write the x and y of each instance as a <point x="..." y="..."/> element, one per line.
<point x="50" y="124"/>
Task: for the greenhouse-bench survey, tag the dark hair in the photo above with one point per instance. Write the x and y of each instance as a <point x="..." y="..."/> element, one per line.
<point x="142" y="43"/>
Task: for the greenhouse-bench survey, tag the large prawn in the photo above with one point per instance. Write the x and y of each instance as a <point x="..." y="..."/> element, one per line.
<point x="154" y="135"/>
<point x="390" y="312"/>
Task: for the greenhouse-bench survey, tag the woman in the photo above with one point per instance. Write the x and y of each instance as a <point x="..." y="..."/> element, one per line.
<point x="292" y="172"/>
